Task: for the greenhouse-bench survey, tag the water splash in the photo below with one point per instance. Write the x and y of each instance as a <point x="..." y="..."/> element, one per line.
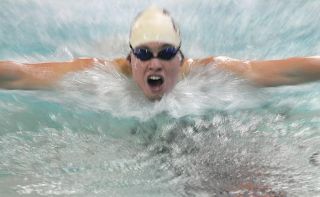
<point x="98" y="135"/>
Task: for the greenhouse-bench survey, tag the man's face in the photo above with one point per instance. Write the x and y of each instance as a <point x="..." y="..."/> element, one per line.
<point x="155" y="76"/>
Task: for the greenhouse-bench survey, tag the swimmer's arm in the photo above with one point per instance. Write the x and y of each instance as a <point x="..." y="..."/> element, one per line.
<point x="284" y="72"/>
<point x="15" y="75"/>
<point x="270" y="72"/>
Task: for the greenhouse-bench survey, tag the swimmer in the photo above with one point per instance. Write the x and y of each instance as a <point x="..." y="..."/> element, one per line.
<point x="156" y="62"/>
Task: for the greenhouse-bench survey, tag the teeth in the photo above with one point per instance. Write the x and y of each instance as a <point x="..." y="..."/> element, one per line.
<point x="154" y="77"/>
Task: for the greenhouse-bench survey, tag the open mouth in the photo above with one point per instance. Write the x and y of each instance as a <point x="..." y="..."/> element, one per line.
<point x="155" y="80"/>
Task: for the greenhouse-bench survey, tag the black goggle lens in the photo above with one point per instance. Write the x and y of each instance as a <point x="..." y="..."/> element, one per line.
<point x="167" y="53"/>
<point x="145" y="54"/>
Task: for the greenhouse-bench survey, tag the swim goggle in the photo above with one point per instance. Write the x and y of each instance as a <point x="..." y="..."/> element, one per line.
<point x="145" y="54"/>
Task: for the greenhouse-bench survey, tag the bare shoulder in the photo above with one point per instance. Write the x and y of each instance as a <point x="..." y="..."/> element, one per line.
<point x="189" y="64"/>
<point x="122" y="65"/>
<point x="193" y="63"/>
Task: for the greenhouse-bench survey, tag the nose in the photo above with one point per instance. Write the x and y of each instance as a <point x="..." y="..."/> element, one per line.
<point x="155" y="65"/>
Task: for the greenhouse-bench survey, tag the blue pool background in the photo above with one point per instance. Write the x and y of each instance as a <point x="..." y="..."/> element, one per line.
<point x="97" y="136"/>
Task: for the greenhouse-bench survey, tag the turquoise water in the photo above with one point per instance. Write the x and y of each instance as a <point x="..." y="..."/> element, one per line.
<point x="96" y="135"/>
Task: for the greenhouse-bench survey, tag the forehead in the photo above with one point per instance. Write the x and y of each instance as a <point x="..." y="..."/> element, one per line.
<point x="155" y="45"/>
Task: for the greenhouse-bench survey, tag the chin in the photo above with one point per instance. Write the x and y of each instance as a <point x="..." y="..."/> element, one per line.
<point x="154" y="97"/>
<point x="154" y="94"/>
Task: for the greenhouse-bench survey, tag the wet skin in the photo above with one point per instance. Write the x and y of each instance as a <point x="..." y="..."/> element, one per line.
<point x="167" y="71"/>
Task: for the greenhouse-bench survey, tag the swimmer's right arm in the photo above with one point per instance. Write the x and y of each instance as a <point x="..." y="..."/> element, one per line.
<point x="27" y="76"/>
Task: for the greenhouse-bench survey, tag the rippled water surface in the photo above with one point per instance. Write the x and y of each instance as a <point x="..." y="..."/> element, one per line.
<point x="213" y="135"/>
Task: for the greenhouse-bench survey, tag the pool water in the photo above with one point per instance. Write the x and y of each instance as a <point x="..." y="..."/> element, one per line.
<point x="96" y="134"/>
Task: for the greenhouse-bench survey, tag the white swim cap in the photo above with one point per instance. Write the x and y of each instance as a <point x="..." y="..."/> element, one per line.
<point x="154" y="25"/>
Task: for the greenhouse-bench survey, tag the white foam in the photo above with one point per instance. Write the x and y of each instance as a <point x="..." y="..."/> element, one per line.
<point x="103" y="88"/>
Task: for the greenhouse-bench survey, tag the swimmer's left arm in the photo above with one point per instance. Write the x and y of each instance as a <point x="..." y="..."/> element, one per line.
<point x="289" y="71"/>
<point x="270" y="73"/>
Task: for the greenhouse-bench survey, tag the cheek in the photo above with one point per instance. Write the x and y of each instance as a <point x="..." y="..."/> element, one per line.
<point x="137" y="71"/>
<point x="174" y="70"/>
<point x="134" y="64"/>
